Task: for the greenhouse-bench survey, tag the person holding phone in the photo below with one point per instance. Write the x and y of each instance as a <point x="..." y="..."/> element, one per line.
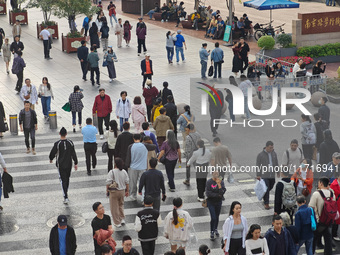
<point x="204" y="56"/>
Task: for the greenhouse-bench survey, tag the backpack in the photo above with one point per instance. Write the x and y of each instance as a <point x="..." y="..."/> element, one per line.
<point x="288" y="195"/>
<point x="15" y="67"/>
<point x="311" y="136"/>
<point x="329" y="210"/>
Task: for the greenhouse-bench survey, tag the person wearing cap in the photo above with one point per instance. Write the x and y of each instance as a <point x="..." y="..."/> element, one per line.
<point x="147" y="71"/>
<point x="16" y="29"/>
<point x="141" y="34"/>
<point x="179" y="42"/>
<point x="103" y="107"/>
<point x="119" y="31"/>
<point x="324" y="110"/>
<point x="62" y="238"/>
<point x="93" y="59"/>
<point x="90" y="144"/>
<point x="45" y="35"/>
<point x="76" y="106"/>
<point x="146" y="224"/>
<point x="64" y="152"/>
<point x="204" y="55"/>
<point x="82" y="53"/>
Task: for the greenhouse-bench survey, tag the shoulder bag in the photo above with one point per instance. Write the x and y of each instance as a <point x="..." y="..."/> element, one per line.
<point x="188" y="121"/>
<point x="105" y="146"/>
<point x="142" y="115"/>
<point x="162" y="159"/>
<point x="113" y="187"/>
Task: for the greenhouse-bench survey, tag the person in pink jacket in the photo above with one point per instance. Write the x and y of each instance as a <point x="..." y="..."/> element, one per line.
<point x="138" y="114"/>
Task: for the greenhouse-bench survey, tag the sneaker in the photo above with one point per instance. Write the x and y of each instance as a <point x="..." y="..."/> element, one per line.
<point x="162" y="20"/>
<point x="79" y="126"/>
<point x="28" y="150"/>
<point x="66" y="201"/>
<point x="216" y="233"/>
<point x="138" y="54"/>
<point x="74" y="130"/>
<point x="110" y="80"/>
<point x="267" y="207"/>
<point x="212" y="236"/>
<point x="122" y="222"/>
<point x="184" y="60"/>
<point x="172" y="190"/>
<point x="117" y="226"/>
<point x="7" y="72"/>
<point x="101" y="137"/>
<point x="177" y="62"/>
<point x="200" y="199"/>
<point x="88" y="173"/>
<point x="186" y="182"/>
<point x="34" y="152"/>
<point x="98" y="85"/>
<point x="336" y="238"/>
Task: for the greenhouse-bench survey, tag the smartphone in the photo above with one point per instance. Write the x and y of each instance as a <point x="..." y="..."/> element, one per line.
<point x="81" y="90"/>
<point x="220" y="177"/>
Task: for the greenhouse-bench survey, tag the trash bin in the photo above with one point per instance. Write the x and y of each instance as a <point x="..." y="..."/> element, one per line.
<point x="53" y="119"/>
<point x="13" y="124"/>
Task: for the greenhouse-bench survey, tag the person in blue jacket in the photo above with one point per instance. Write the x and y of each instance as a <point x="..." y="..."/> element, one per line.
<point x="279" y="239"/>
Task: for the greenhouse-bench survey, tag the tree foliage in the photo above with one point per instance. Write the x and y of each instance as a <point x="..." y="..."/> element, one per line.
<point x="46" y="6"/>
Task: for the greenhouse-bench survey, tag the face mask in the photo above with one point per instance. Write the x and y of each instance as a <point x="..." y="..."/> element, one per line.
<point x="319" y="101"/>
<point x="303" y="165"/>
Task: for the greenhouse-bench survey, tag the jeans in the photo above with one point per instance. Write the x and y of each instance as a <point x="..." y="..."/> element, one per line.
<point x="145" y="77"/>
<point x="114" y="17"/>
<point x="179" y="50"/>
<point x="74" y="116"/>
<point x="148" y="247"/>
<point x="141" y="42"/>
<point x="214" y="210"/>
<point x="308" y="244"/>
<point x="95" y="70"/>
<point x="106" y="120"/>
<point x="46" y="105"/>
<point x="327" y="235"/>
<point x="148" y="112"/>
<point x="64" y="177"/>
<point x="270" y="184"/>
<point x="170" y="171"/>
<point x="122" y="121"/>
<point x="329" y="2"/>
<point x="90" y="152"/>
<point x="170" y="51"/>
<point x="231" y="109"/>
<point x="84" y="68"/>
<point x="20" y="76"/>
<point x="150" y="13"/>
<point x="46" y="48"/>
<point x="110" y="154"/>
<point x="204" y="65"/>
<point x="246" y="108"/>
<point x="212" y="30"/>
<point x="217" y="67"/>
<point x="29" y="132"/>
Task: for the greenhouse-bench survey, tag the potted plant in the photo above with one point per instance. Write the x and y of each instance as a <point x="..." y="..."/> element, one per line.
<point x="18" y="13"/>
<point x="69" y="9"/>
<point x="46" y="7"/>
<point x="3" y="7"/>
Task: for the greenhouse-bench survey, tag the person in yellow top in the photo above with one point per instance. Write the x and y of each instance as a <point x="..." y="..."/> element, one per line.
<point x="155" y="110"/>
<point x="195" y="18"/>
<point x="212" y="27"/>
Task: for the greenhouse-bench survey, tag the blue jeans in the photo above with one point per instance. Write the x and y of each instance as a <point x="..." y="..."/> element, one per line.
<point x="74" y="117"/>
<point x="214" y="210"/>
<point x="230" y="107"/>
<point x="150" y="13"/>
<point x="170" y="51"/>
<point x="179" y="50"/>
<point x="329" y="2"/>
<point x="113" y="16"/>
<point x="203" y="68"/>
<point x="246" y="108"/>
<point x="122" y="121"/>
<point x="308" y="244"/>
<point x="46" y="105"/>
<point x="218" y="68"/>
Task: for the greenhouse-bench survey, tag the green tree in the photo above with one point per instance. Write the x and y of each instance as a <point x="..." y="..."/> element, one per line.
<point x="46" y="6"/>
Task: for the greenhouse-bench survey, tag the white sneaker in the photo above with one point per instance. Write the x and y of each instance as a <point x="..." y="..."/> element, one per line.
<point x="200" y="199"/>
<point x="184" y="60"/>
<point x="177" y="63"/>
<point x="167" y="20"/>
<point x="110" y="80"/>
<point x="162" y="20"/>
<point x="117" y="226"/>
<point x="66" y="201"/>
<point x="122" y="222"/>
<point x="101" y="137"/>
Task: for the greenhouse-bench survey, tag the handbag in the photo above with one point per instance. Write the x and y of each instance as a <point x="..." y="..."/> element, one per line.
<point x="305" y="192"/>
<point x="105" y="63"/>
<point x="67" y="107"/>
<point x="162" y="159"/>
<point x="231" y="178"/>
<point x="105" y="147"/>
<point x="88" y="66"/>
<point x="6" y="126"/>
<point x="39" y="95"/>
<point x="312" y="221"/>
<point x="211" y="71"/>
<point x="113" y="187"/>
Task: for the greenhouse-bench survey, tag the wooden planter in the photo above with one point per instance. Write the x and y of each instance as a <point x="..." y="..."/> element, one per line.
<point x="3" y="8"/>
<point x="21" y="16"/>
<point x="52" y="29"/>
<point x="71" y="44"/>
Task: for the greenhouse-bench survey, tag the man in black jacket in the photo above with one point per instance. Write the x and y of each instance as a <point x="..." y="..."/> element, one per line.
<point x="165" y="93"/>
<point x="82" y="53"/>
<point x="123" y="142"/>
<point x="63" y="234"/>
<point x="28" y="124"/>
<point x="16" y="46"/>
<point x="171" y="111"/>
<point x="267" y="162"/>
<point x="64" y="152"/>
<point x="146" y="67"/>
<point x="324" y="110"/>
<point x="327" y="148"/>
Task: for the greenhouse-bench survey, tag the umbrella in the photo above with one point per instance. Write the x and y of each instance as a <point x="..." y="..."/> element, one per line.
<point x="270" y="5"/>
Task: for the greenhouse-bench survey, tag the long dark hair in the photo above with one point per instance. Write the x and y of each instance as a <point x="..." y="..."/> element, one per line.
<point x="48" y="84"/>
<point x="167" y="34"/>
<point x="200" y="144"/>
<point x="187" y="109"/>
<point x="251" y="231"/>
<point x="306" y="118"/>
<point x="232" y="207"/>
<point x="177" y="202"/>
<point x="171" y="139"/>
<point x="114" y="127"/>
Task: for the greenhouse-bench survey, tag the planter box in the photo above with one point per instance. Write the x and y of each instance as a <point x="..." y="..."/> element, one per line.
<point x="282" y="52"/>
<point x="71" y="44"/>
<point x="3" y="8"/>
<point x="334" y="99"/>
<point x="328" y="59"/>
<point x="21" y="16"/>
<point x="52" y="29"/>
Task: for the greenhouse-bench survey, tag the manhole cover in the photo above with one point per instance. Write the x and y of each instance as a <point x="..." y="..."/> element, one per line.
<point x="8" y="224"/>
<point x="74" y="221"/>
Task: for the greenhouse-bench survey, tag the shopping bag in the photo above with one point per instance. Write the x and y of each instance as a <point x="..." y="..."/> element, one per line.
<point x="260" y="189"/>
<point x="66" y="107"/>
<point x="231" y="178"/>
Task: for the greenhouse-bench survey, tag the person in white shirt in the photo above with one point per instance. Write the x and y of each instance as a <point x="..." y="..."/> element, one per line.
<point x="119" y="31"/>
<point x="29" y="93"/>
<point x="254" y="243"/>
<point x="45" y="35"/>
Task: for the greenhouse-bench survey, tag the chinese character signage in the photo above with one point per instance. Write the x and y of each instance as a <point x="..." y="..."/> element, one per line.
<point x="323" y="22"/>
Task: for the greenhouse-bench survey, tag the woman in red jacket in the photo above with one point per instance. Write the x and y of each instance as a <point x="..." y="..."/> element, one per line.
<point x="149" y="93"/>
<point x="103" y="107"/>
<point x="303" y="178"/>
<point x="335" y="186"/>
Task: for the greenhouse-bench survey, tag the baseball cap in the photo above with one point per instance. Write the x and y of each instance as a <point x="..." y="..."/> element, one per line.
<point x="179" y="31"/>
<point x="62" y="220"/>
<point x="147" y="55"/>
<point x="336" y="154"/>
<point x="140" y="18"/>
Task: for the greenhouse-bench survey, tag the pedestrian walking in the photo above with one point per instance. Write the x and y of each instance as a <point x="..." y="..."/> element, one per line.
<point x="127" y="247"/>
<point x="155" y="112"/>
<point x="235" y="230"/>
<point x="255" y="244"/>
<point x="124" y="140"/>
<point x="45" y="93"/>
<point x="18" y="69"/>
<point x="2" y="120"/>
<point x="147" y="71"/>
<point x="90" y="144"/>
<point x="230" y="98"/>
<point x="201" y="160"/>
<point x="170" y="45"/>
<point x="117" y="177"/>
<point x="86" y="24"/>
<point x="308" y="140"/>
<point x="146" y="132"/>
<point x="138" y="113"/>
<point x="244" y="52"/>
<point x="82" y="53"/>
<point x="4" y="170"/>
<point x="29" y="93"/>
<point x="101" y="221"/>
<point x="112" y="12"/>
<point x="178" y="225"/>
<point x="76" y="106"/>
<point x="103" y="107"/>
<point x="111" y="58"/>
<point x="149" y="94"/>
<point x="28" y="124"/>
<point x="64" y="152"/>
<point x="161" y="125"/>
<point x="6" y="53"/>
<point x="171" y="111"/>
<point x="171" y="151"/>
<point x="16" y="46"/>
<point x="335" y="186"/>
<point x="165" y="93"/>
<point x="93" y="60"/>
<point x="150" y="146"/>
<point x="153" y="182"/>
<point x="123" y="109"/>
<point x="204" y="55"/>
<point x="245" y="86"/>
<point x="93" y="33"/>
<point x="104" y="32"/>
<point x="111" y="137"/>
<point x="62" y="238"/>
<point x="327" y="148"/>
<point x="146" y="224"/>
<point x="184" y="120"/>
<point x="16" y="29"/>
<point x="216" y="57"/>
<point x="141" y="35"/>
<point x="119" y="30"/>
<point x="267" y="157"/>
<point x="292" y="157"/>
<point x="45" y="35"/>
<point x="237" y="59"/>
<point x="215" y="190"/>
<point x="136" y="160"/>
<point x="324" y="111"/>
<point x="179" y="42"/>
<point x="2" y="36"/>
<point x="127" y="33"/>
<point x="220" y="156"/>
